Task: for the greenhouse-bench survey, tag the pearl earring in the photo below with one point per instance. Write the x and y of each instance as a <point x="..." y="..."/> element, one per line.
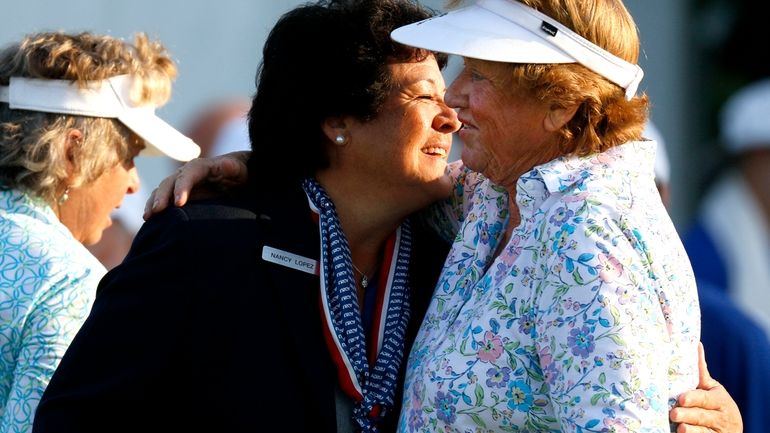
<point x="340" y="139"/>
<point x="65" y="196"/>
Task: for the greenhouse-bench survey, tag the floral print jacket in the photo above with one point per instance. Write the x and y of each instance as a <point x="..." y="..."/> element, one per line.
<point x="47" y="285"/>
<point x="586" y="321"/>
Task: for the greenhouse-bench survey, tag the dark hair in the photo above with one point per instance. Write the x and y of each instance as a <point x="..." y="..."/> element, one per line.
<point x="322" y="60"/>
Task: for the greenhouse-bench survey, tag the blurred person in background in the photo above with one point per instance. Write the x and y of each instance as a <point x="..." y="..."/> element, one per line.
<point x="730" y="238"/>
<point x="729" y="248"/>
<point x="75" y="110"/>
<point x="221" y="127"/>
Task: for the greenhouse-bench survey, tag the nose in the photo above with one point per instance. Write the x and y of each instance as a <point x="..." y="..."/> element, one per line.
<point x="446" y="121"/>
<point x="455" y="97"/>
<point x="133" y="181"/>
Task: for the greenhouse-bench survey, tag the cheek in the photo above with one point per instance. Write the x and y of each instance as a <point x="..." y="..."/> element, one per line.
<point x="408" y="136"/>
<point x="119" y="189"/>
<point x="499" y="128"/>
<point x="475" y="157"/>
<point x="113" y="190"/>
<point x="121" y="181"/>
<point x="489" y="121"/>
<point x="416" y="122"/>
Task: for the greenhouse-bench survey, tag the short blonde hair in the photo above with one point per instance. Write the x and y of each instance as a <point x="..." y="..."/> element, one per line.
<point x="604" y="118"/>
<point x="31" y="143"/>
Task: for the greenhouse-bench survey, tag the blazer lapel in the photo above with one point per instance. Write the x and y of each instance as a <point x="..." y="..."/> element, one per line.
<point x="288" y="227"/>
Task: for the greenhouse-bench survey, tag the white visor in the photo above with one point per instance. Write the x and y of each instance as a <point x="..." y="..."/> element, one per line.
<point x="110" y="98"/>
<point x="511" y="32"/>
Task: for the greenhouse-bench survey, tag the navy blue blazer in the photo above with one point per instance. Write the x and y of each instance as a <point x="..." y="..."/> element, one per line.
<point x="195" y="332"/>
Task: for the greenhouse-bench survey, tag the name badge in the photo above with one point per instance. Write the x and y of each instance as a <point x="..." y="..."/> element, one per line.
<point x="285" y="258"/>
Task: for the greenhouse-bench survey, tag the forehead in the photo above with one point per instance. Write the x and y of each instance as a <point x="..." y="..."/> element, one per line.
<point x="498" y="70"/>
<point x="501" y="77"/>
<point x="406" y="73"/>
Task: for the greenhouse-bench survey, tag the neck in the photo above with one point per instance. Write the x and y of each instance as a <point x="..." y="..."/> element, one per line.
<point x="506" y="172"/>
<point x="367" y="219"/>
<point x="514" y="219"/>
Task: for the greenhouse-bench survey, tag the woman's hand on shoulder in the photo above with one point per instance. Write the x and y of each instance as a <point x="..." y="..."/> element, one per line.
<point x="198" y="178"/>
<point x="708" y="408"/>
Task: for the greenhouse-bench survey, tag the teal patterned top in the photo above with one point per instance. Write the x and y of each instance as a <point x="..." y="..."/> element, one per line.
<point x="586" y="321"/>
<point x="47" y="284"/>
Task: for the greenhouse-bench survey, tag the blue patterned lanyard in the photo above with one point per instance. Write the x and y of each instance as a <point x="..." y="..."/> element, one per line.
<point x="373" y="389"/>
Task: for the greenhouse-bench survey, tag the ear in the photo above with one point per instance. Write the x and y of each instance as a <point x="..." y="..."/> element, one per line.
<point x="72" y="141"/>
<point x="334" y="127"/>
<point x="557" y="117"/>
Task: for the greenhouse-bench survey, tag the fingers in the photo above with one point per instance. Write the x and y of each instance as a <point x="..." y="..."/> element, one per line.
<point x="192" y="173"/>
<point x="226" y="170"/>
<point x="710" y="394"/>
<point x="705" y="379"/>
<point x="713" y="399"/>
<point x="148" y="205"/>
<point x="708" y="408"/>
<point x="230" y="168"/>
<point x="230" y="171"/>
<point x="713" y="408"/>
<point x="160" y="196"/>
<point x="696" y="417"/>
<point x="242" y="157"/>
<point x="684" y="428"/>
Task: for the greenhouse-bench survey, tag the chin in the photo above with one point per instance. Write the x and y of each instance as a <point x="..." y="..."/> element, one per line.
<point x="92" y="239"/>
<point x="94" y="236"/>
<point x="470" y="160"/>
<point x="439" y="188"/>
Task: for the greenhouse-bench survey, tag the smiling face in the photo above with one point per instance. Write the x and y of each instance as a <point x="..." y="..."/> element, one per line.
<point x="504" y="131"/>
<point x="87" y="211"/>
<point x="405" y="147"/>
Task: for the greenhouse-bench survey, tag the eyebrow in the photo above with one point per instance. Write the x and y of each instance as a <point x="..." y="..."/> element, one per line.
<point x="432" y="82"/>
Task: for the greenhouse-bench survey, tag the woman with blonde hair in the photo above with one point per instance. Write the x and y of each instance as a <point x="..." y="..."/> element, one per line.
<point x="75" y="109"/>
<point x="567" y="302"/>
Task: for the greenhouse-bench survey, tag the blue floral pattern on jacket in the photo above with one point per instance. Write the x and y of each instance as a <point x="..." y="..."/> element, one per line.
<point x="47" y="284"/>
<point x="586" y="321"/>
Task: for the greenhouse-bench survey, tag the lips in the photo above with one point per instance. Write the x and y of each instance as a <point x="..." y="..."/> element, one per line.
<point x="436" y="151"/>
<point x="465" y="129"/>
<point x="466" y="124"/>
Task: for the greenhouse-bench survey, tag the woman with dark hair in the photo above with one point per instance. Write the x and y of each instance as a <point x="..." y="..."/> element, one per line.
<point x="293" y="301"/>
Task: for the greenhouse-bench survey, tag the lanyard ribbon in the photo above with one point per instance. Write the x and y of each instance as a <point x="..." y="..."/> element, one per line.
<point x="372" y="387"/>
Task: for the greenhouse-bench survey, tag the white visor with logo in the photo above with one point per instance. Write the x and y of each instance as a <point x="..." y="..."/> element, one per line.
<point x="511" y="32"/>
